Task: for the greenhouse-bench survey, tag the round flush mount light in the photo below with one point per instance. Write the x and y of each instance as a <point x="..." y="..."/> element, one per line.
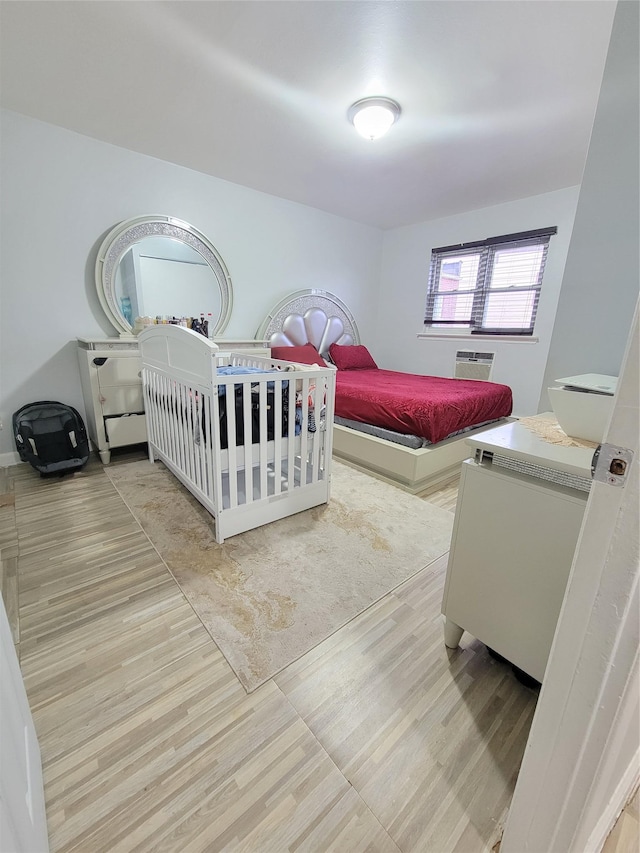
<point x="372" y="117"/>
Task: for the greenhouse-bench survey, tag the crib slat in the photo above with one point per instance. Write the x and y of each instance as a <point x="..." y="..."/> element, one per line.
<point x="147" y="390"/>
<point x="198" y="405"/>
<point x="201" y="413"/>
<point x="174" y="425"/>
<point x="277" y="436"/>
<point x="194" y="433"/>
<point x="230" y="403"/>
<point x="328" y="416"/>
<point x="164" y="414"/>
<point x="153" y="379"/>
<point x="304" y="430"/>
<point x="264" y="456"/>
<point x="212" y="421"/>
<point x="162" y="403"/>
<point x="248" y="446"/>
<point x="291" y="443"/>
<point x="317" y="436"/>
<point x="182" y="436"/>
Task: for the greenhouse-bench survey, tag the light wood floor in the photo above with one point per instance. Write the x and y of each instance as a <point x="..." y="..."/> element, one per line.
<point x="625" y="836"/>
<point x="379" y="739"/>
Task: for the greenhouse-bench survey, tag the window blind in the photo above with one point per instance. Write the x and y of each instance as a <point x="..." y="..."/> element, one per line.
<point x="490" y="286"/>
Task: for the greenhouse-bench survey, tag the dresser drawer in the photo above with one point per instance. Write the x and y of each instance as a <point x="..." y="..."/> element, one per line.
<point x="128" y="429"/>
<point x="119" y="371"/>
<point x="121" y="399"/>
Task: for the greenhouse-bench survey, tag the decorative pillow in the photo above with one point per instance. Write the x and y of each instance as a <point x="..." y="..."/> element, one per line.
<point x="306" y="354"/>
<point x="355" y="357"/>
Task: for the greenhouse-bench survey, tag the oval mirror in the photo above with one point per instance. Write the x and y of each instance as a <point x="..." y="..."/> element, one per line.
<point x="158" y="266"/>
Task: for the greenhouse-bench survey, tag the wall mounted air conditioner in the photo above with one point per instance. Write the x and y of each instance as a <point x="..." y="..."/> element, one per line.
<point x="474" y="365"/>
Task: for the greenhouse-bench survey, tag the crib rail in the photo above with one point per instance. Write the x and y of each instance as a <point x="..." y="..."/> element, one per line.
<point x="251" y="447"/>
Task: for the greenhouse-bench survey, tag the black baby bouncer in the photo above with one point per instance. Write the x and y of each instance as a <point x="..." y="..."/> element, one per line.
<point x="51" y="437"/>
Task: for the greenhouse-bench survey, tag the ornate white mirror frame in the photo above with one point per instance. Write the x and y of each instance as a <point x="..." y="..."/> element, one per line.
<point x="121" y="238"/>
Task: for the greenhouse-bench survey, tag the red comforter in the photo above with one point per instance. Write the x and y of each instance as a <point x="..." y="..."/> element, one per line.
<point x="429" y="406"/>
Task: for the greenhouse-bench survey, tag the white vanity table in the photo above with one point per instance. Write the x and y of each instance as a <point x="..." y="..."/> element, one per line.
<point x="110" y="371"/>
<point x="519" y="511"/>
<point x="110" y="368"/>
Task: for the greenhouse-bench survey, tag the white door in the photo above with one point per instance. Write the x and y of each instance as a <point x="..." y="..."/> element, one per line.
<point x="23" y="823"/>
<point x="583" y="754"/>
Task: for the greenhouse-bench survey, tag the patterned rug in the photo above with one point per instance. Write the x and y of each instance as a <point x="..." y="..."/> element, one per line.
<point x="548" y="429"/>
<point x="269" y="595"/>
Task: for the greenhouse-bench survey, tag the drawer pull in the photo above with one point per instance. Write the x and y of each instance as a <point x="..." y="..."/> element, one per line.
<point x="99" y="361"/>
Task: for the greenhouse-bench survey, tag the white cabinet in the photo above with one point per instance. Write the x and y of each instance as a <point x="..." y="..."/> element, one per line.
<point x="519" y="512"/>
<point x="110" y="371"/>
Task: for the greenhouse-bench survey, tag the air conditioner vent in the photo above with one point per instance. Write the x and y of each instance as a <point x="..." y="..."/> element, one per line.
<point x="473" y="365"/>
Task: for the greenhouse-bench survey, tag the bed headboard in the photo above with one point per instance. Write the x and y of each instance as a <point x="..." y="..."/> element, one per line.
<point x="309" y="316"/>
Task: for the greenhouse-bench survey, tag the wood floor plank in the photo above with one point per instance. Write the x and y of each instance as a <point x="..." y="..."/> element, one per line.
<point x="445" y="497"/>
<point x="625" y="835"/>
<point x="148" y="740"/>
<point x="9" y="580"/>
<point x="10" y="595"/>
<point x="397" y="711"/>
<point x="379" y="739"/>
<point x="8" y="530"/>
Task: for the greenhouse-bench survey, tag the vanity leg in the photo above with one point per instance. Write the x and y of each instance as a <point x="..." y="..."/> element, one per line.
<point x="452" y="634"/>
<point x="105" y="456"/>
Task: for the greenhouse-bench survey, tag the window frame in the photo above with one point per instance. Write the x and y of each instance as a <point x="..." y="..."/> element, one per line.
<point x="486" y="251"/>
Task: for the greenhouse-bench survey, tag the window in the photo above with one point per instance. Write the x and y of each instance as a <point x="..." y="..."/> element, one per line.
<point x="490" y="287"/>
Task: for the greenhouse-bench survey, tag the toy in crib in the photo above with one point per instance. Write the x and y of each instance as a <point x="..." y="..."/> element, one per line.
<point x="311" y="416"/>
<point x="311" y="407"/>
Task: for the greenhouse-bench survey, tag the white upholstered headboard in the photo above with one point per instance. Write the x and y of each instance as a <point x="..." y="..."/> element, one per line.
<point x="309" y="316"/>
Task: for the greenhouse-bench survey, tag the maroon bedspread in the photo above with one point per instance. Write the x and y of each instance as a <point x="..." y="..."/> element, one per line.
<point x="429" y="406"/>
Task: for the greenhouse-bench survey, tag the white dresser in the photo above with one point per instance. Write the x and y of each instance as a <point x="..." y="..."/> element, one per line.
<point x="519" y="511"/>
<point x="110" y="371"/>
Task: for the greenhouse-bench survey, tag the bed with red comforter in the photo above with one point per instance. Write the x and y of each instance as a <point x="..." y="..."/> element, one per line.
<point x="431" y="407"/>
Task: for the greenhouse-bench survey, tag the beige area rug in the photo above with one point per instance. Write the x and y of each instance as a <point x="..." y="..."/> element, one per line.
<point x="269" y="595"/>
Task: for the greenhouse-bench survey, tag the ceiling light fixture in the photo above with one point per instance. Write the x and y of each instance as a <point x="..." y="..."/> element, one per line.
<point x="372" y="117"/>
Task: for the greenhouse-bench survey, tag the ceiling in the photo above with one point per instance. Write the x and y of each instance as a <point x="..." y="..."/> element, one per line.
<point x="498" y="98"/>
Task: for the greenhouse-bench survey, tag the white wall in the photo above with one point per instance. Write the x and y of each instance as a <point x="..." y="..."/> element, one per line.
<point x="403" y="288"/>
<point x="62" y="192"/>
<point x="600" y="285"/>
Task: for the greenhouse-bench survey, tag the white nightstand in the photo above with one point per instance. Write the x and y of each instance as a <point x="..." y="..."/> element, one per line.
<point x="519" y="511"/>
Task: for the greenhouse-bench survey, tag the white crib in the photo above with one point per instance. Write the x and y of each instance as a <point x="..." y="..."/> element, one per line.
<point x="198" y="418"/>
